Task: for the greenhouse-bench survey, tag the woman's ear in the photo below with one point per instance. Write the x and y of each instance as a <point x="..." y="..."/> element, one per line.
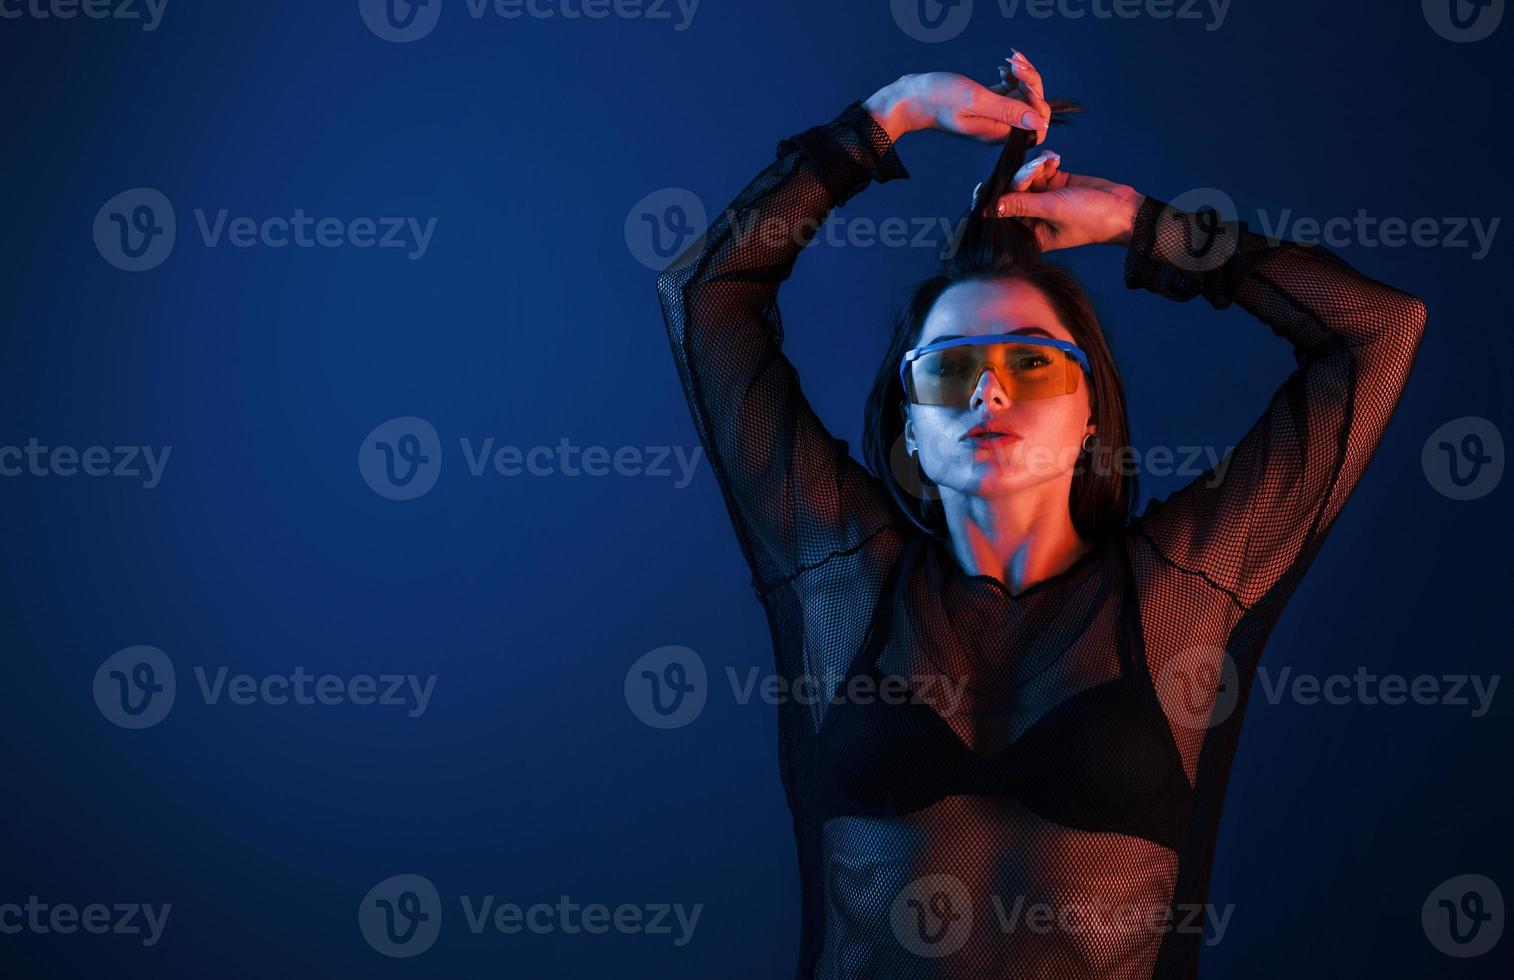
<point x="909" y="428"/>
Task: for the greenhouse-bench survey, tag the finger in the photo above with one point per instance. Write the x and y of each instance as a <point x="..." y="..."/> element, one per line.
<point x="1045" y="180"/>
<point x="1029" y="172"/>
<point x="1025" y="74"/>
<point x="1009" y="85"/>
<point x="1036" y="174"/>
<point x="1025" y="205"/>
<point x="1018" y="91"/>
<point x="1007" y="111"/>
<point x="1006" y="84"/>
<point x="1030" y="80"/>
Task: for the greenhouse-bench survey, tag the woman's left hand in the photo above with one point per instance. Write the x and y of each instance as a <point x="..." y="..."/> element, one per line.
<point x="1067" y="210"/>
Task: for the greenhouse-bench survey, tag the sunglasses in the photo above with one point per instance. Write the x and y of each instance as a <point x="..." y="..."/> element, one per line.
<point x="1027" y="368"/>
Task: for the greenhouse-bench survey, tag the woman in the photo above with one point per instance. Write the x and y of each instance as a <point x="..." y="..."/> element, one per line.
<point x="1029" y="697"/>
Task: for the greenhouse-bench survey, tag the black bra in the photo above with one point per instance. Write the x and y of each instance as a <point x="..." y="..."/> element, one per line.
<point x="1101" y="760"/>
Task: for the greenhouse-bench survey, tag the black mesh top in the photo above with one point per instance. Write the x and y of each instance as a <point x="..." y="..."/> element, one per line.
<point x="1038" y="793"/>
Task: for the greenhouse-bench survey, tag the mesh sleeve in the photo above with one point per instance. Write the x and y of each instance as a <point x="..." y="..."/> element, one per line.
<point x="1281" y="488"/>
<point x="795" y="495"/>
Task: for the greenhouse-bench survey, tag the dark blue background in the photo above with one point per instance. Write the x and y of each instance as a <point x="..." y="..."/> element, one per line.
<point x="529" y="597"/>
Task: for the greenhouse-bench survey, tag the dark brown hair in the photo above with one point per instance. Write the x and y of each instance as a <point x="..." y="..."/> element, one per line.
<point x="990" y="248"/>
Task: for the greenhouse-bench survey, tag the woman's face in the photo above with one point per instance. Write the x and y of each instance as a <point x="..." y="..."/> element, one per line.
<point x="1047" y="432"/>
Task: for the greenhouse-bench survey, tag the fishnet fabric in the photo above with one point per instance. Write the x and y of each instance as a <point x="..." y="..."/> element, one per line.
<point x="1064" y="751"/>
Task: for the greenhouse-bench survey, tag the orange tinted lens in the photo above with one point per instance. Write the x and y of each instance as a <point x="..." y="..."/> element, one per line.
<point x="1026" y="372"/>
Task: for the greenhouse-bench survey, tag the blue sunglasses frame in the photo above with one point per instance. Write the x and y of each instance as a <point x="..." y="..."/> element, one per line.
<point x="1071" y="349"/>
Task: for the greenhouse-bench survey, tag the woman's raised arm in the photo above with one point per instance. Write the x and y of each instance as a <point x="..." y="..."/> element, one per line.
<point x="1252" y="524"/>
<point x="794" y="493"/>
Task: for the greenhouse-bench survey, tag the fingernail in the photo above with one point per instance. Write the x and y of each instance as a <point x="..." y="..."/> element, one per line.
<point x="999" y="209"/>
<point x="1032" y="121"/>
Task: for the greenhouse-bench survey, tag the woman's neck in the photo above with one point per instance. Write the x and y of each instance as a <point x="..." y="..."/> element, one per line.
<point x="1020" y="540"/>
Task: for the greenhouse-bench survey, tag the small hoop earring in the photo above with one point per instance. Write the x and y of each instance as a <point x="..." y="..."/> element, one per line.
<point x="1089" y="441"/>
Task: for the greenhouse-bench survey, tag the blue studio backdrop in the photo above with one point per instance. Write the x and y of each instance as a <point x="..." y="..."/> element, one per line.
<point x="347" y="475"/>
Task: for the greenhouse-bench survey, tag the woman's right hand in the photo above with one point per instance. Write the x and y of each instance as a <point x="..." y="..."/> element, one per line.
<point x="958" y="105"/>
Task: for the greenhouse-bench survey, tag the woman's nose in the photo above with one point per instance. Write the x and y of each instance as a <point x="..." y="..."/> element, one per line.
<point x="989" y="391"/>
